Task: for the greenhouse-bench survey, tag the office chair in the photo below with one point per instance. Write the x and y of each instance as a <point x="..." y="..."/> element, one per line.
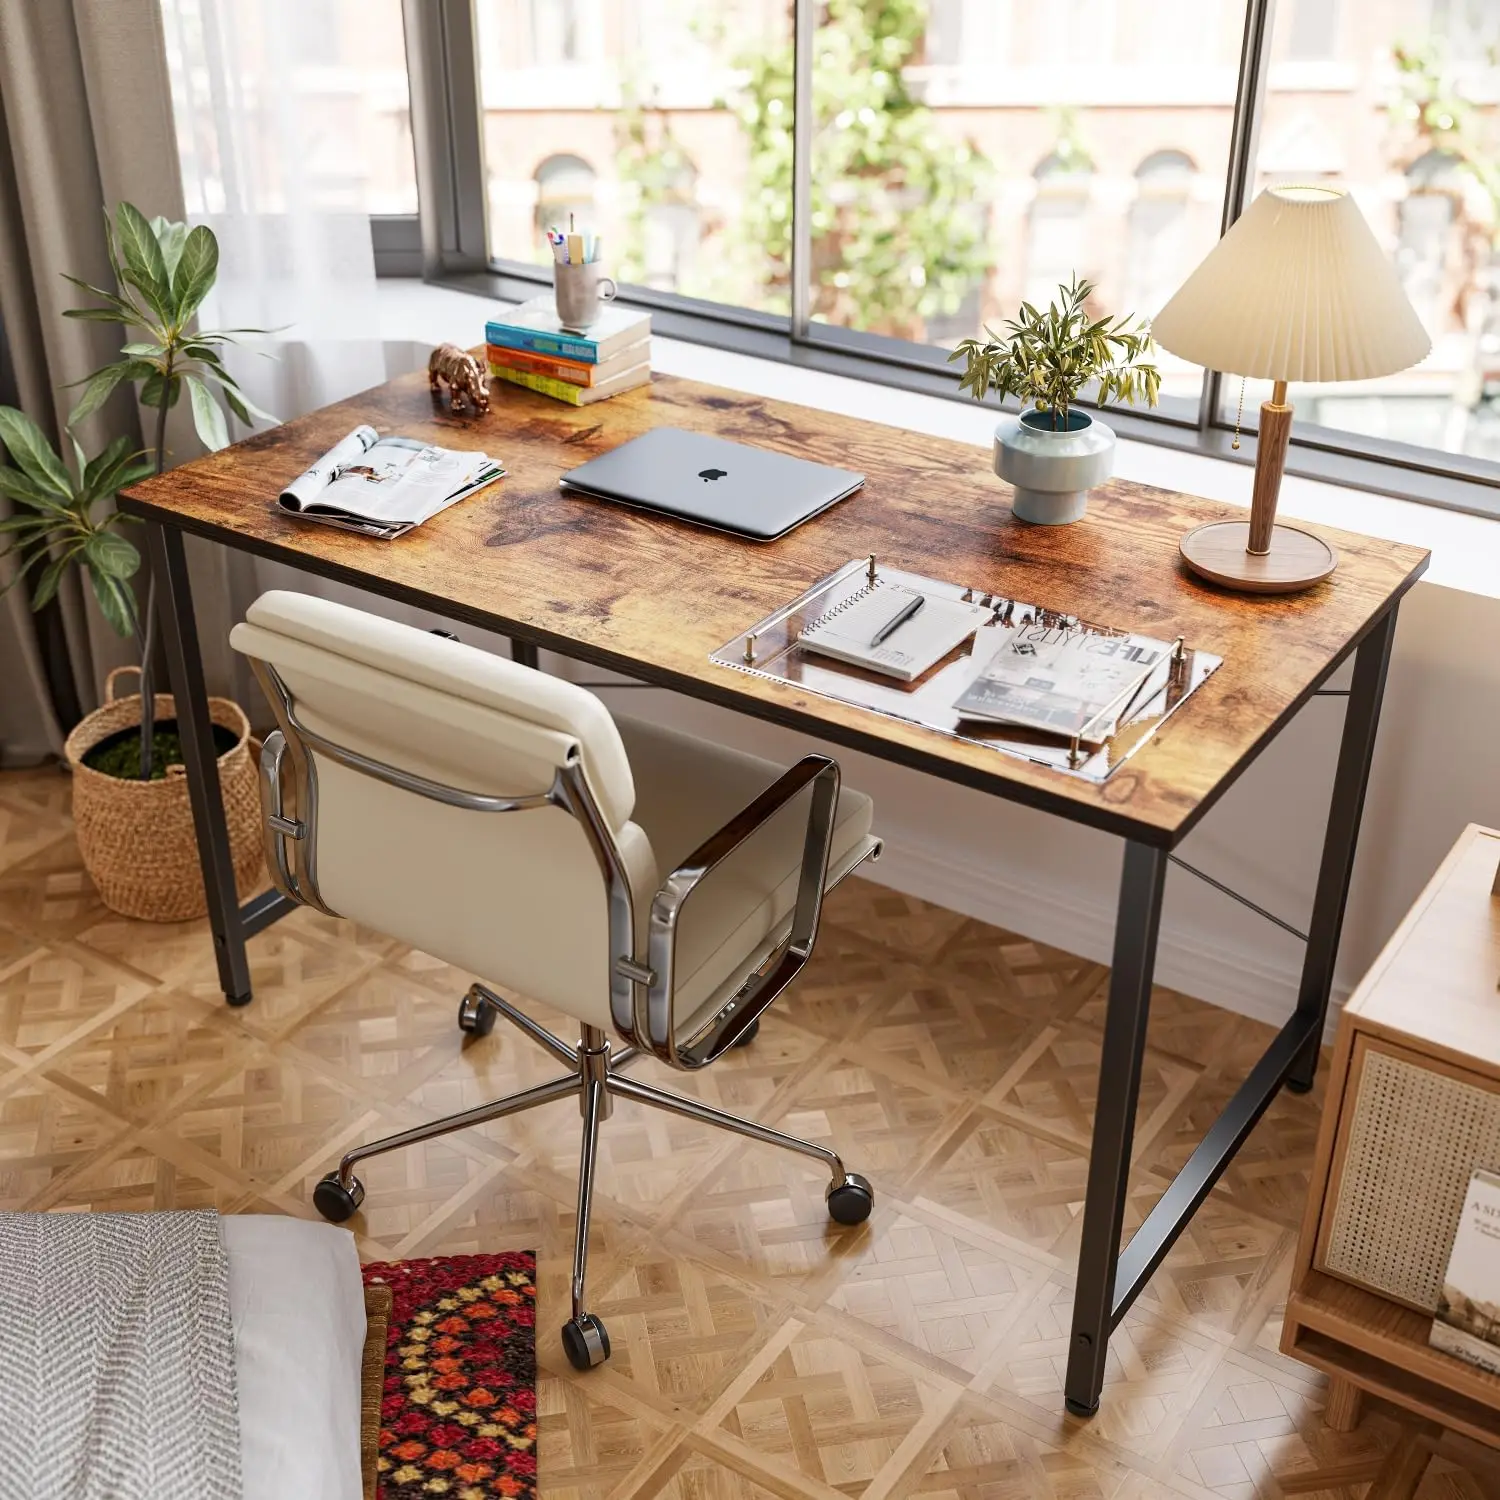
<point x="502" y="820"/>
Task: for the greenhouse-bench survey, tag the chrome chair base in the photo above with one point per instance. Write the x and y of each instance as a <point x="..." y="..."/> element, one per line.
<point x="595" y="1076"/>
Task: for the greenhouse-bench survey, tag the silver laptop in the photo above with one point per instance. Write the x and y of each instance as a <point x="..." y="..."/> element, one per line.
<point x="729" y="486"/>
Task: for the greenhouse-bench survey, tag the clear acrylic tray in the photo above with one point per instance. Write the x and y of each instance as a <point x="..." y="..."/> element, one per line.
<point x="770" y="649"/>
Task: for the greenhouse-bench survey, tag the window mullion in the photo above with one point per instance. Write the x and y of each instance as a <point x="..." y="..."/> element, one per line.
<point x="447" y="121"/>
<point x="1249" y="101"/>
<point x="803" y="125"/>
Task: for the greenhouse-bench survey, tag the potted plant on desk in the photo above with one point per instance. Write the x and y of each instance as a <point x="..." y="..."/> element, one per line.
<point x="1051" y="452"/>
<point x="130" y="803"/>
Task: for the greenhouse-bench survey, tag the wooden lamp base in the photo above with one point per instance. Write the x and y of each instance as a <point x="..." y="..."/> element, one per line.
<point x="1258" y="556"/>
<point x="1220" y="553"/>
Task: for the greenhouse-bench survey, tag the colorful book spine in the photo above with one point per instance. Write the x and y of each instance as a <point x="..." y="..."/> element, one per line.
<point x="561" y="390"/>
<point x="574" y="372"/>
<point x="561" y="344"/>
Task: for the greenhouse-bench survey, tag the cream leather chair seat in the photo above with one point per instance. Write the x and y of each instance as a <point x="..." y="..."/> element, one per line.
<point x="659" y="889"/>
<point x="685" y="789"/>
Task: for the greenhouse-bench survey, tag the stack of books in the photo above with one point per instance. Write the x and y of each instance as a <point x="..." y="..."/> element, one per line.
<point x="528" y="346"/>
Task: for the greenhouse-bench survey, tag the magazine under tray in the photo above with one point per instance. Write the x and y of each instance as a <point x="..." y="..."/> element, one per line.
<point x="771" y="648"/>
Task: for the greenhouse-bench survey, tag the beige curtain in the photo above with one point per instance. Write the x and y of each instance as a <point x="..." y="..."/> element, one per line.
<point x="85" y="119"/>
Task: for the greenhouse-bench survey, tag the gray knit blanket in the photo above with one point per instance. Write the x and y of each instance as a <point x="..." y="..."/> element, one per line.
<point x="116" y="1359"/>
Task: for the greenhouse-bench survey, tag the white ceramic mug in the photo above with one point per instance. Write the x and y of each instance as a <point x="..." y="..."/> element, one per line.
<point x="579" y="291"/>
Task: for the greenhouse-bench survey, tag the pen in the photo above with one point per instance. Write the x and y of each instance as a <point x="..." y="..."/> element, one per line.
<point x="900" y="618"/>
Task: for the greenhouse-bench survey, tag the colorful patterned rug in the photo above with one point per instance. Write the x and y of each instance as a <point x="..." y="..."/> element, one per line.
<point x="458" y="1418"/>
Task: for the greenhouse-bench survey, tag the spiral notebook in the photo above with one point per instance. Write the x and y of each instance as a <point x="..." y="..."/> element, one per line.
<point x="847" y="633"/>
<point x="792" y="645"/>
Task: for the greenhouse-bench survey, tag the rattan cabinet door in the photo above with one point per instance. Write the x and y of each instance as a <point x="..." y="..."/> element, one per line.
<point x="1412" y="1132"/>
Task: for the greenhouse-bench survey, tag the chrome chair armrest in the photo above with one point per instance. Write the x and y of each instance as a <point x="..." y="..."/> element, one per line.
<point x="659" y="1030"/>
<point x="276" y="827"/>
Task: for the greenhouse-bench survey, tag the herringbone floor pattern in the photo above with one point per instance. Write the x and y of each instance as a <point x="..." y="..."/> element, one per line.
<point x="758" y="1352"/>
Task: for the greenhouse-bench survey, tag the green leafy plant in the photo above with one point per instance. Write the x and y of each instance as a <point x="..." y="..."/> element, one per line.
<point x="1432" y="113"/>
<point x="898" y="232"/>
<point x="1047" y="358"/>
<point x="61" y="520"/>
<point x="163" y="271"/>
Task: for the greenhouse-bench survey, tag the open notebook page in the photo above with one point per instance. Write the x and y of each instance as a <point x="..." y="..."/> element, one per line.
<point x="846" y="633"/>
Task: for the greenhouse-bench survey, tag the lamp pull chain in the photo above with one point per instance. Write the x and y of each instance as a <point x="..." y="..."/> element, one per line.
<point x="1239" y="416"/>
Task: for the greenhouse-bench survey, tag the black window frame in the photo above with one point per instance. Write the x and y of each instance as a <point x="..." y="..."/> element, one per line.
<point x="446" y="244"/>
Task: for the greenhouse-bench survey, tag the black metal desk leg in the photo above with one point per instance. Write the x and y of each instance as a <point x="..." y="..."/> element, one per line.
<point x="179" y="635"/>
<point x="1356" y="751"/>
<point x="1136" y="922"/>
<point x="524" y="653"/>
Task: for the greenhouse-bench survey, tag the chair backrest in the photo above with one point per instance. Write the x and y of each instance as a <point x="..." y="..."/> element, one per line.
<point x="517" y="898"/>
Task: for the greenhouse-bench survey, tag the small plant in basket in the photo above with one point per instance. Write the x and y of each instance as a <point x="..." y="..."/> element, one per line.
<point x="63" y="517"/>
<point x="133" y="818"/>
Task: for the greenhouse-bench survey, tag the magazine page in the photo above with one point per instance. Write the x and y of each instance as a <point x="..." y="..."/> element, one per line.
<point x="365" y="485"/>
<point x="410" y="485"/>
<point x="1468" y="1313"/>
<point x="308" y="485"/>
<point x="1062" y="679"/>
<point x="383" y="486"/>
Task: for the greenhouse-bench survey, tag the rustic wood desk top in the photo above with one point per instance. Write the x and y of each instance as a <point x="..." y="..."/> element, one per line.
<point x="652" y="597"/>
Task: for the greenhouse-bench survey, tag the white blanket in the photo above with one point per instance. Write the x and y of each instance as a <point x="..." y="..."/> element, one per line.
<point x="117" y="1368"/>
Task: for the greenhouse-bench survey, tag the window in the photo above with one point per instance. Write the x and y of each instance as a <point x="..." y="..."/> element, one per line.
<point x="1410" y="124"/>
<point x="1312" y="30"/>
<point x="557" y="31"/>
<point x="663" y="124"/>
<point x="1159" y="259"/>
<point x="1057" y="223"/>
<point x="564" y="194"/>
<point x="340" y="73"/>
<point x="955" y="156"/>
<point x="982" y="159"/>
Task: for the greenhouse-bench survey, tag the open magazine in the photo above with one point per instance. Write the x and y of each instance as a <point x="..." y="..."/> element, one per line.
<point x="1065" y="680"/>
<point x="385" y="486"/>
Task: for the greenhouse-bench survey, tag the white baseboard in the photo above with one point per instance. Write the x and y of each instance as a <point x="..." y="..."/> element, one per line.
<point x="1244" y="983"/>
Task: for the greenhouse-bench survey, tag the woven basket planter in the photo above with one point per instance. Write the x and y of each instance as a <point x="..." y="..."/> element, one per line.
<point x="136" y="837"/>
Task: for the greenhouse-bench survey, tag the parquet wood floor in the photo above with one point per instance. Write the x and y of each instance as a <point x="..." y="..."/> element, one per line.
<point x="758" y="1352"/>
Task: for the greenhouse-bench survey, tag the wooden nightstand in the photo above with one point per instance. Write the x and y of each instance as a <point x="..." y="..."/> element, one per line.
<point x="1413" y="1108"/>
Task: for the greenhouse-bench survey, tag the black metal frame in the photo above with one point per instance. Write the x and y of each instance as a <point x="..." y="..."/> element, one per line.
<point x="1109" y="1280"/>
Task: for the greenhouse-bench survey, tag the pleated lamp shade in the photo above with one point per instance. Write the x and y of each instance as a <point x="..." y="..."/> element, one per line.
<point x="1297" y="290"/>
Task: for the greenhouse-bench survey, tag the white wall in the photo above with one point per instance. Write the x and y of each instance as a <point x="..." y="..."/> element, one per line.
<point x="1437" y="762"/>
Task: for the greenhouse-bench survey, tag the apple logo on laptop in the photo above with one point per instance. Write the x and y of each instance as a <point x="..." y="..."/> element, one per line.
<point x="712" y="473"/>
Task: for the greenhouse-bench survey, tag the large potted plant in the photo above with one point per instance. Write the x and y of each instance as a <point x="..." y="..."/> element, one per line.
<point x="1052" y="453"/>
<point x="130" y="806"/>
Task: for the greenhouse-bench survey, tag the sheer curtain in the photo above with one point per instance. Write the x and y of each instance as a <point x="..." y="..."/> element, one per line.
<point x="274" y="161"/>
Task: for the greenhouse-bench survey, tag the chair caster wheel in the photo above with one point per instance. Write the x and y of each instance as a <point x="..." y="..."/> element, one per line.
<point x="474" y="1016"/>
<point x="748" y="1035"/>
<point x="850" y="1201"/>
<point x="585" y="1342"/>
<point x="335" y="1201"/>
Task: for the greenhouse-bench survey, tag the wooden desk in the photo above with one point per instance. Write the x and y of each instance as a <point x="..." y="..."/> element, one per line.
<point x="652" y="597"/>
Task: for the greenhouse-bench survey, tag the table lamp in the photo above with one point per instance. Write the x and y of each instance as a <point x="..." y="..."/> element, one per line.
<point x="1297" y="289"/>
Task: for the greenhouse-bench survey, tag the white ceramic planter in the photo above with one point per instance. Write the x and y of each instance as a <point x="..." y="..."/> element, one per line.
<point x="1052" y="472"/>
